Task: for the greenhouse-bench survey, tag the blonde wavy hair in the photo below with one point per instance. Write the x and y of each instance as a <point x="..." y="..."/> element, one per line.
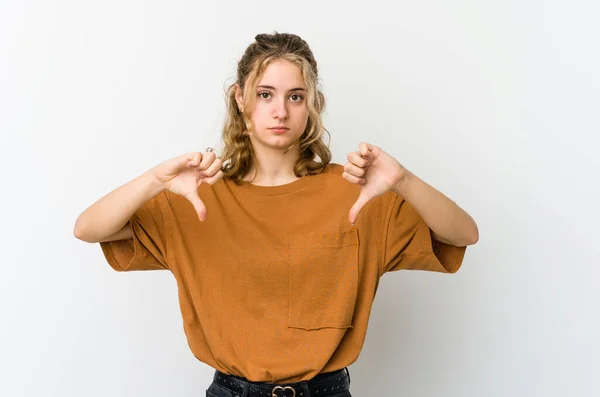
<point x="238" y="154"/>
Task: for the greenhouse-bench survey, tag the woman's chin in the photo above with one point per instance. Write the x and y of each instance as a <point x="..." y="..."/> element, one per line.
<point x="277" y="143"/>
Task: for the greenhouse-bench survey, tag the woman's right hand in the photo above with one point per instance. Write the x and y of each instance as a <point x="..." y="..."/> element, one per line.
<point x="183" y="175"/>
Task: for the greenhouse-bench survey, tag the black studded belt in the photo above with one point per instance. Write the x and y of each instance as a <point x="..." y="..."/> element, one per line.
<point x="324" y="384"/>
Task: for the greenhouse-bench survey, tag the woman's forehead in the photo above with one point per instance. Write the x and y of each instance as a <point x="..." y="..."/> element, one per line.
<point x="282" y="75"/>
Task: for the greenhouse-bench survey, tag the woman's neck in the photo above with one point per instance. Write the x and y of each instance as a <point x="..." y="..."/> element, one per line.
<point x="273" y="167"/>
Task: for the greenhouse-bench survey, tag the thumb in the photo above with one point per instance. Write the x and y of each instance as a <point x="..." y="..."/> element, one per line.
<point x="198" y="205"/>
<point x="357" y="207"/>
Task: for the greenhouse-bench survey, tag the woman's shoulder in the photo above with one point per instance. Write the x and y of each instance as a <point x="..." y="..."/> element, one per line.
<point x="331" y="173"/>
<point x="333" y="169"/>
<point x="332" y="177"/>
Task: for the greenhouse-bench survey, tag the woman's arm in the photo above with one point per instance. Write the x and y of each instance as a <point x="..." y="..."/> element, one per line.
<point x="107" y="219"/>
<point x="449" y="223"/>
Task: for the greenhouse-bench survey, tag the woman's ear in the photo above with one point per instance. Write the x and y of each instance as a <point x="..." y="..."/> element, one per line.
<point x="239" y="98"/>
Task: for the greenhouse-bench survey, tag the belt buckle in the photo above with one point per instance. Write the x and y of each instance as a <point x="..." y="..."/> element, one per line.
<point x="283" y="388"/>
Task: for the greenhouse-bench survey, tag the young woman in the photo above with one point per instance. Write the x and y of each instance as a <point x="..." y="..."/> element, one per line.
<point x="277" y="252"/>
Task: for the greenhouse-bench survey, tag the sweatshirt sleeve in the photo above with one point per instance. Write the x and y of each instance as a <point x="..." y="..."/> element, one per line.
<point x="147" y="250"/>
<point x="408" y="243"/>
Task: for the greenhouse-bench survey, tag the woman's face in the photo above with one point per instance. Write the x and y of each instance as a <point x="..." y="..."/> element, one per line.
<point x="280" y="113"/>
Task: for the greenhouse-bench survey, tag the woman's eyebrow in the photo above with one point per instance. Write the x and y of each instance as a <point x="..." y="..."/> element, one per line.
<point x="274" y="89"/>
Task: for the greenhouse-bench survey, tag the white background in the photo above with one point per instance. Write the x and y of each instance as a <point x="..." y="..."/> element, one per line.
<point x="494" y="103"/>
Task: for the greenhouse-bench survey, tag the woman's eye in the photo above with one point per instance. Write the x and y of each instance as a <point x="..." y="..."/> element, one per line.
<point x="264" y="95"/>
<point x="296" y="97"/>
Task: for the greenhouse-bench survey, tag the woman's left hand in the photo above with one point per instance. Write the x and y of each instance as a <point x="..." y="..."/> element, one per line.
<point x="376" y="171"/>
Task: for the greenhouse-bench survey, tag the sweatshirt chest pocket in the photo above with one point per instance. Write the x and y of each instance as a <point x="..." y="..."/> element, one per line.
<point x="323" y="279"/>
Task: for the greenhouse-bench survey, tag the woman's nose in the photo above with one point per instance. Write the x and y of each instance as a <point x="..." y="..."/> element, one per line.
<point x="280" y="109"/>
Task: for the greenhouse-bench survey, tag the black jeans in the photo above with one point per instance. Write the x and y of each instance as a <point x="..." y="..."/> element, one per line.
<point x="331" y="384"/>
